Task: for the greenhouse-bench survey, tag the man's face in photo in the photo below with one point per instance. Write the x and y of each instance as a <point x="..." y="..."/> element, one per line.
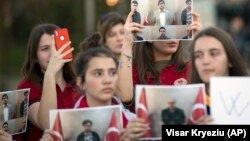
<point x="134" y="6"/>
<point x="87" y="127"/>
<point x="162" y="31"/>
<point x="5" y="127"/>
<point x="5" y="100"/>
<point x="161" y="5"/>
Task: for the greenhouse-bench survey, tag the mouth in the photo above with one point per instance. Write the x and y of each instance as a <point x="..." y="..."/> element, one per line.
<point x="207" y="70"/>
<point x="107" y="90"/>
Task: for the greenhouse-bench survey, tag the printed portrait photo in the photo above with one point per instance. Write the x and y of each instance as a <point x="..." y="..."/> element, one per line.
<point x="163" y="19"/>
<point x="169" y="105"/>
<point x="14" y="110"/>
<point x="87" y="123"/>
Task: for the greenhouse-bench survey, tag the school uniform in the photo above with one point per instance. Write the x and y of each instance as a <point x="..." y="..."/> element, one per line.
<point x="168" y="76"/>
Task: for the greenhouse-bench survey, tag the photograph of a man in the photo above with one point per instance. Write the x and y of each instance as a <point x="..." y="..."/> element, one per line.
<point x="136" y="16"/>
<point x="5" y="109"/>
<point x="172" y="114"/>
<point x="163" y="16"/>
<point x="186" y="17"/>
<point x="162" y="31"/>
<point x="24" y="105"/>
<point x="88" y="134"/>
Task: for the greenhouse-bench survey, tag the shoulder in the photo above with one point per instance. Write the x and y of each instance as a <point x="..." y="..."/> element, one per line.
<point x="24" y="83"/>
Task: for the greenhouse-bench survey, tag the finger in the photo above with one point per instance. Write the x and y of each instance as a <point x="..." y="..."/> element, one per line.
<point x="129" y="18"/>
<point x="196" y="16"/>
<point x="67" y="52"/>
<point x="64" y="47"/>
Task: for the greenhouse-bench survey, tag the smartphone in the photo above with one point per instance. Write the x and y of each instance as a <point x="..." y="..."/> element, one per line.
<point x="61" y="37"/>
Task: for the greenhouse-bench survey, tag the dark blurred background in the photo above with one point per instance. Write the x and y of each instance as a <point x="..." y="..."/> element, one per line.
<point x="18" y="17"/>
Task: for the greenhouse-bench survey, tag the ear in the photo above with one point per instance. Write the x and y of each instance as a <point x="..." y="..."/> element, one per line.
<point x="79" y="83"/>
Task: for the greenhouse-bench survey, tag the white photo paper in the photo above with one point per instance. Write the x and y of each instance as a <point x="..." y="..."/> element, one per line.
<point x="14" y="110"/>
<point x="230" y="100"/>
<point x="154" y="103"/>
<point x="103" y="122"/>
<point x="163" y="19"/>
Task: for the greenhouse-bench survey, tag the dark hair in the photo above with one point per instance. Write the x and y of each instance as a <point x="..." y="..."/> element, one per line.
<point x="238" y="68"/>
<point x="106" y="25"/>
<point x="135" y="2"/>
<point x="162" y="27"/>
<point x="143" y="51"/>
<point x="83" y="58"/>
<point x="31" y="69"/>
<point x="5" y="123"/>
<point x="188" y="1"/>
<point x="86" y="122"/>
<point x="161" y="1"/>
<point x="93" y="40"/>
<point x="4" y="95"/>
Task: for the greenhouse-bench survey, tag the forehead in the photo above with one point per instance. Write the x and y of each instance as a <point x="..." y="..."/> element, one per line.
<point x="116" y="28"/>
<point x="101" y="63"/>
<point x="207" y="43"/>
<point x="45" y="39"/>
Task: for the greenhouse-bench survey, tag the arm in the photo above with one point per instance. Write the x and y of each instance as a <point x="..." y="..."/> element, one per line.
<point x="39" y="111"/>
<point x="125" y="82"/>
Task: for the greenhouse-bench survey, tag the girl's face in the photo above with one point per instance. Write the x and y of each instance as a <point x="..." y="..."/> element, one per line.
<point x="210" y="58"/>
<point x="43" y="51"/>
<point x="100" y="79"/>
<point x="165" y="49"/>
<point x="114" y="38"/>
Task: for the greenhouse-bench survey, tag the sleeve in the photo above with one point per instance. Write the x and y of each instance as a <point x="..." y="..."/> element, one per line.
<point x="35" y="93"/>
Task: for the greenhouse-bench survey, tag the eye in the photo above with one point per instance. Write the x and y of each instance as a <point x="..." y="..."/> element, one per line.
<point x="97" y="73"/>
<point x="45" y="48"/>
<point x="112" y="72"/>
<point x="111" y="34"/>
<point x="214" y="53"/>
<point x="197" y="55"/>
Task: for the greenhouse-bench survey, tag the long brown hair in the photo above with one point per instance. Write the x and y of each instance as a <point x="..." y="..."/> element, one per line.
<point x="144" y="60"/>
<point x="31" y="68"/>
<point x="108" y="22"/>
<point x="238" y="68"/>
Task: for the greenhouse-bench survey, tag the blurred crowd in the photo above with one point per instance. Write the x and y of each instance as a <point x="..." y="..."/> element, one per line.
<point x="233" y="16"/>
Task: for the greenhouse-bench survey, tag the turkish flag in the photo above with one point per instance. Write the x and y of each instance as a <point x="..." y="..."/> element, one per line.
<point x="57" y="129"/>
<point x="199" y="108"/>
<point x="142" y="111"/>
<point x="112" y="133"/>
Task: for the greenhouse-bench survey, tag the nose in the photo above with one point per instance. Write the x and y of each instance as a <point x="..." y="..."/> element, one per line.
<point x="206" y="59"/>
<point x="120" y="37"/>
<point x="107" y="79"/>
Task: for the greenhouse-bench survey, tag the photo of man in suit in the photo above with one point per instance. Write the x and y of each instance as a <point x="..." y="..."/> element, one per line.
<point x="173" y="115"/>
<point x="163" y="16"/>
<point x="6" y="112"/>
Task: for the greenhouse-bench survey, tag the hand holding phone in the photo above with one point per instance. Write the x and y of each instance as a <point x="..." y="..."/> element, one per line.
<point x="61" y="37"/>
